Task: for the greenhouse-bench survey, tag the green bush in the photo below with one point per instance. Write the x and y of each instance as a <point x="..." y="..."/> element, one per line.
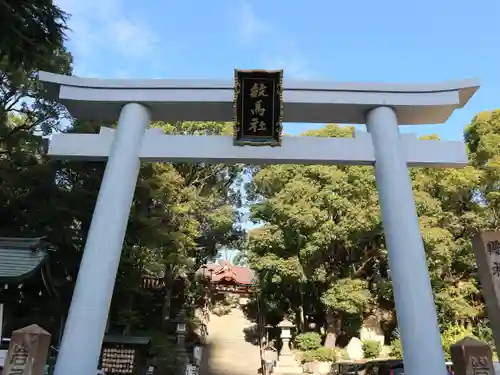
<point x="483" y="333"/>
<point x="371" y="348"/>
<point x="396" y="348"/>
<point x="449" y="336"/>
<point x="308" y="341"/>
<point x="341" y="353"/>
<point x="163" y="348"/>
<point x="452" y="334"/>
<point x="319" y="355"/>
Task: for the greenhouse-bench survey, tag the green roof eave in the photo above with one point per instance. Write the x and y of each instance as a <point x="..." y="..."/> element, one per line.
<point x="21" y="258"/>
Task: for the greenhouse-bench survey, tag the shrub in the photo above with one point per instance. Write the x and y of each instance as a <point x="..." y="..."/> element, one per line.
<point x="452" y="334"/>
<point x="449" y="336"/>
<point x="396" y="348"/>
<point x="221" y="309"/>
<point x="371" y="348"/>
<point x="483" y="333"/>
<point x="319" y="355"/>
<point x="306" y="357"/>
<point x="341" y="353"/>
<point x="308" y="341"/>
<point x="224" y="305"/>
<point x="168" y="360"/>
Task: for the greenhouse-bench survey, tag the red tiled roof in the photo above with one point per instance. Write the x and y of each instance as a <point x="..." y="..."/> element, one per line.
<point x="228" y="272"/>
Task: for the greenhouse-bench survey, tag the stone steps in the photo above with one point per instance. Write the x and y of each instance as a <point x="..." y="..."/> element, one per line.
<point x="227" y="351"/>
<point x="230" y="354"/>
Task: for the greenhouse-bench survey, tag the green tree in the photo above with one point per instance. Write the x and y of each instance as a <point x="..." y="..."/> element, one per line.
<point x="181" y="215"/>
<point x="322" y="240"/>
<point x="321" y="228"/>
<point x="27" y="190"/>
<point x="30" y="32"/>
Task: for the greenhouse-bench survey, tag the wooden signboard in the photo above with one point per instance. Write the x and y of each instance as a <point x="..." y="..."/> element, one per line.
<point x="124" y="355"/>
<point x="486" y="247"/>
<point x="258" y="107"/>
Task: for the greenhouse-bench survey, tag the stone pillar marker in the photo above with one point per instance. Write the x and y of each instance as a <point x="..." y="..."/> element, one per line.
<point x="486" y="246"/>
<point x="472" y="357"/>
<point x="28" y="350"/>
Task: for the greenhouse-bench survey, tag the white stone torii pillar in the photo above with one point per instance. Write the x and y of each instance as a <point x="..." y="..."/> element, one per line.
<point x="137" y="102"/>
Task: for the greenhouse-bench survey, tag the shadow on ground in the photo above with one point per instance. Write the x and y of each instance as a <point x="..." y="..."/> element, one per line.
<point x="251" y="334"/>
<point x="205" y="365"/>
<point x="209" y="366"/>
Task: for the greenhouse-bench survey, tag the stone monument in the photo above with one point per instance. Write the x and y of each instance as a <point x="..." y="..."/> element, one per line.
<point x="472" y="357"/>
<point x="355" y="349"/>
<point x="486" y="246"/>
<point x="28" y="351"/>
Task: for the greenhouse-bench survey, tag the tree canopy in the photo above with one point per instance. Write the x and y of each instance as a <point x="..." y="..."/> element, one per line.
<point x="30" y="32"/>
<point x="181" y="214"/>
<point x="321" y="244"/>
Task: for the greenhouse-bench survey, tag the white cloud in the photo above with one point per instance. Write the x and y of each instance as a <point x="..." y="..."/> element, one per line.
<point x="289" y="58"/>
<point x="293" y="66"/>
<point x="102" y="25"/>
<point x="285" y="53"/>
<point x="249" y="25"/>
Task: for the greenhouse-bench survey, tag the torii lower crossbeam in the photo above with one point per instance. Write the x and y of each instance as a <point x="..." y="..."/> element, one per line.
<point x="157" y="147"/>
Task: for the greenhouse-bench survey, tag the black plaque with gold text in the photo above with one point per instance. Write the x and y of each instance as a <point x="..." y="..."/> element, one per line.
<point x="258" y="107"/>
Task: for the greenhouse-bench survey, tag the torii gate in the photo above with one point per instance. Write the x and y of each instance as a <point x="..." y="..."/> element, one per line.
<point x="137" y="102"/>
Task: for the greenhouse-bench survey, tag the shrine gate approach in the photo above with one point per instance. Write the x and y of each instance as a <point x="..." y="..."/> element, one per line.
<point x="135" y="103"/>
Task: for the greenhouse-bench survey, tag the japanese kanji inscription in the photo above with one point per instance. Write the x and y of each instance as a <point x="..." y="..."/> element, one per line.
<point x="258" y="107"/>
<point x="486" y="247"/>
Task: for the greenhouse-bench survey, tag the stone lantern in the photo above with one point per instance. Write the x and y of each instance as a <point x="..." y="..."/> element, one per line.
<point x="180" y="329"/>
<point x="287" y="364"/>
<point x="181" y="336"/>
<point x="286" y="335"/>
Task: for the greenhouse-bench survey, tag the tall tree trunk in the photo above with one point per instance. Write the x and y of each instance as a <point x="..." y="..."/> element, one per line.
<point x="299" y="318"/>
<point x="167" y="301"/>
<point x="299" y="310"/>
<point x="333" y="324"/>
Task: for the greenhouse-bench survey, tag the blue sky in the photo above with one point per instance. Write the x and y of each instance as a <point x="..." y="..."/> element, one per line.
<point x="356" y="40"/>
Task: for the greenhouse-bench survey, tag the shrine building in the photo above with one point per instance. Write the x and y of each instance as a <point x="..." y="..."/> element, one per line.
<point x="227" y="279"/>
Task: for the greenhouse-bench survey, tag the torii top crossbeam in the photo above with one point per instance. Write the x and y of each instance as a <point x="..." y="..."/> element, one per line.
<point x="212" y="100"/>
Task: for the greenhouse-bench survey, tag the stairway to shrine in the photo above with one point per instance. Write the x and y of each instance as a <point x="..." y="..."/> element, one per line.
<point x="227" y="352"/>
